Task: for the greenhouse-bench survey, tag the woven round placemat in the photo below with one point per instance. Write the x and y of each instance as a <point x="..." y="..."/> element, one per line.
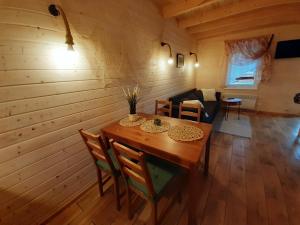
<point x="150" y="127"/>
<point x="185" y="133"/>
<point x="125" y="122"/>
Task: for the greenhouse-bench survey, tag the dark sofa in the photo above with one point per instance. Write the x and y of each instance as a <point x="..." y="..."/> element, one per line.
<point x="211" y="108"/>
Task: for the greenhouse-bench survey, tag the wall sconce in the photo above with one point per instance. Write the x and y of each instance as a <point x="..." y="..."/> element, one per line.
<point x="56" y="10"/>
<point x="196" y="63"/>
<point x="170" y="60"/>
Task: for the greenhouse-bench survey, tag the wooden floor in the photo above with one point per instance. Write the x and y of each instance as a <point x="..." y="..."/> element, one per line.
<point x="252" y="181"/>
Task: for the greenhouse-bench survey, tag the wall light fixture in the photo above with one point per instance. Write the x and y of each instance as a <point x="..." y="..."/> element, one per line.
<point x="56" y="10"/>
<point x="196" y="56"/>
<point x="170" y="60"/>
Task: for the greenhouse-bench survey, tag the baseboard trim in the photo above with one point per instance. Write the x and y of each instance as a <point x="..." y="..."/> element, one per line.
<point x="260" y="112"/>
<point x="277" y="114"/>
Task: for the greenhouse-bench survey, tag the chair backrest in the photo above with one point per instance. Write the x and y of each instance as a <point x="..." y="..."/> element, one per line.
<point x="191" y="110"/>
<point x="133" y="166"/>
<point x="97" y="148"/>
<point x="166" y="107"/>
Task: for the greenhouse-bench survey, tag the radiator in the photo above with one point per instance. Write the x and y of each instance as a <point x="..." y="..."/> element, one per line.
<point x="248" y="101"/>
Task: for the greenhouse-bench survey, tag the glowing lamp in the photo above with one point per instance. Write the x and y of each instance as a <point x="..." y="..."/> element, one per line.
<point x="170" y="60"/>
<point x="196" y="57"/>
<point x="56" y="10"/>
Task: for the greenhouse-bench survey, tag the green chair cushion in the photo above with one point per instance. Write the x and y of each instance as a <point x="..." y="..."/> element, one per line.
<point x="104" y="165"/>
<point x="161" y="173"/>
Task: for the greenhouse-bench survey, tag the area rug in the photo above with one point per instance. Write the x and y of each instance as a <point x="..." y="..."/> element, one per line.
<point x="234" y="126"/>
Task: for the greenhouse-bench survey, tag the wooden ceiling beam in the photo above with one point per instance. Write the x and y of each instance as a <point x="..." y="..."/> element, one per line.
<point x="246" y="18"/>
<point x="182" y="6"/>
<point x="231" y="10"/>
<point x="254" y="24"/>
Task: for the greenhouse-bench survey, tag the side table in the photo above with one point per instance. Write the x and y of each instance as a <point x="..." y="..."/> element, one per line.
<point x="228" y="102"/>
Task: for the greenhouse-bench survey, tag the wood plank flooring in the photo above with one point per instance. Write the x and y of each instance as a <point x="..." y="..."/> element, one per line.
<point x="252" y="182"/>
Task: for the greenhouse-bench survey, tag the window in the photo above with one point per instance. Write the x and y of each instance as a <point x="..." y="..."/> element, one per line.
<point x="249" y="61"/>
<point x="244" y="75"/>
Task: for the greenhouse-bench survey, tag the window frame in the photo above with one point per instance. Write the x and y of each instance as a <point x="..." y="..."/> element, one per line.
<point x="240" y="86"/>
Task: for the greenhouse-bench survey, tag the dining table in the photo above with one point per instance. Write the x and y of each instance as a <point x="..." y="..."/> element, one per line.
<point x="187" y="154"/>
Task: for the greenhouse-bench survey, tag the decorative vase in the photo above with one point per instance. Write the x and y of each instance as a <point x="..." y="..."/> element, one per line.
<point x="133" y="117"/>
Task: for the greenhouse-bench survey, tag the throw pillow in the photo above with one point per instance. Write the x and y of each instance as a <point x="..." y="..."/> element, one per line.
<point x="194" y="102"/>
<point x="209" y="94"/>
<point x="199" y="95"/>
<point x="192" y="96"/>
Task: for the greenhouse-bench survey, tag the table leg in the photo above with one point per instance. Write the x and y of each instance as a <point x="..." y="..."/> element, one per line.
<point x="192" y="196"/>
<point x="207" y="153"/>
<point x="226" y="112"/>
<point x="106" y="140"/>
<point x="239" y="111"/>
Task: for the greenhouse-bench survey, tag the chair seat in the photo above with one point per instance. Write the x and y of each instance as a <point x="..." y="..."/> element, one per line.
<point x="161" y="173"/>
<point x="104" y="165"/>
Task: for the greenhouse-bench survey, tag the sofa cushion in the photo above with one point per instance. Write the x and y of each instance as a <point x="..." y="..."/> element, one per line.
<point x="218" y="96"/>
<point x="211" y="108"/>
<point x="209" y="94"/>
<point x="199" y="95"/>
<point x="194" y="102"/>
<point x="180" y="97"/>
<point x="192" y="96"/>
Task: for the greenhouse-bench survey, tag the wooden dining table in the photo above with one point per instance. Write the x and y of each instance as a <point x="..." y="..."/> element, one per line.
<point x="184" y="154"/>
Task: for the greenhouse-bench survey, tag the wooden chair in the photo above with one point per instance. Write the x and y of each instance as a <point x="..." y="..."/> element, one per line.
<point x="148" y="177"/>
<point x="159" y="109"/>
<point x="190" y="110"/>
<point x="104" y="160"/>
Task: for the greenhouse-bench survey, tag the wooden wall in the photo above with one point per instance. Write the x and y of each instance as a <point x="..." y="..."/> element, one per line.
<point x="46" y="95"/>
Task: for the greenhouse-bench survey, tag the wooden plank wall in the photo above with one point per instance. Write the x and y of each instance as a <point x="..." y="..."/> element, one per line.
<point x="46" y="95"/>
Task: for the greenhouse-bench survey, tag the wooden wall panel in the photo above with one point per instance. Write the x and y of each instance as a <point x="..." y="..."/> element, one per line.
<point x="47" y="94"/>
<point x="22" y="106"/>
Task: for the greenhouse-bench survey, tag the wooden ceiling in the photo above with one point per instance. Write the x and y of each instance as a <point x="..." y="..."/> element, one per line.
<point x="212" y="18"/>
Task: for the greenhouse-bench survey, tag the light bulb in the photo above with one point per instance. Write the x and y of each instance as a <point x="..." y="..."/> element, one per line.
<point x="64" y="58"/>
<point x="196" y="65"/>
<point x="170" y="61"/>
